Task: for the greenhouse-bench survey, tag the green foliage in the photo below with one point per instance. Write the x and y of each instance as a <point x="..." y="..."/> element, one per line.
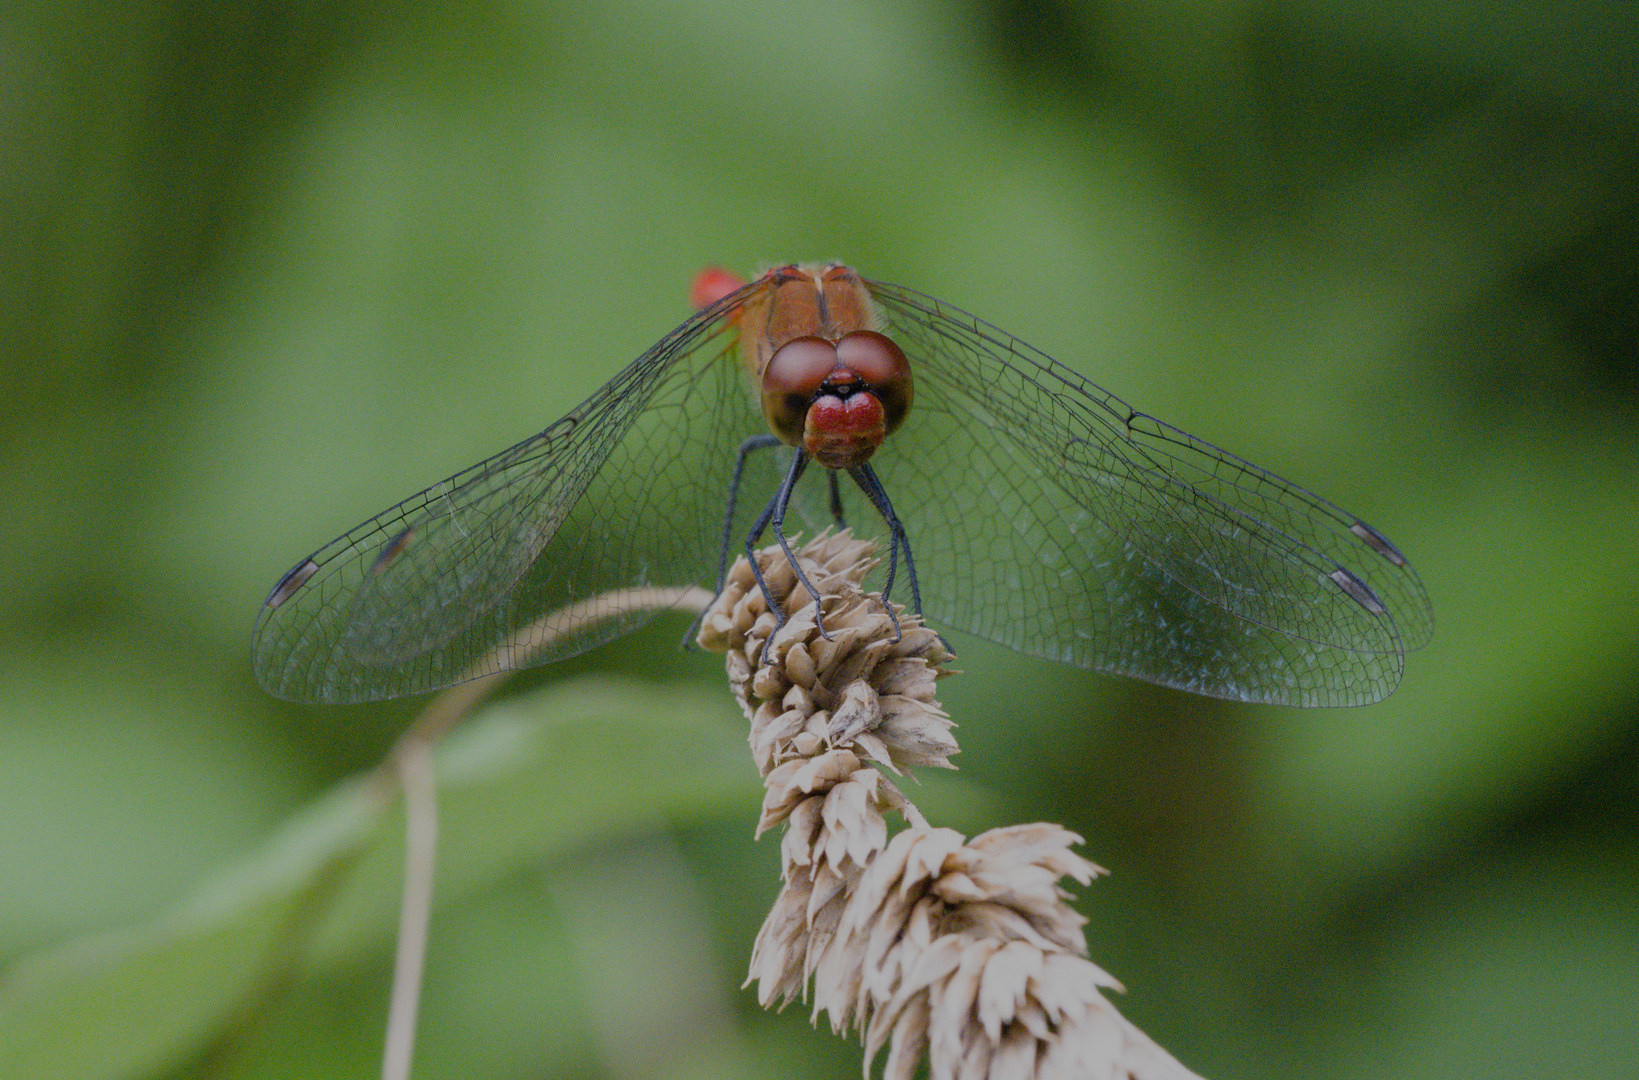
<point x="526" y="782"/>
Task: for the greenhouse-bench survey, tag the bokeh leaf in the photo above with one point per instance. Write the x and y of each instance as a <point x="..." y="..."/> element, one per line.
<point x="558" y="770"/>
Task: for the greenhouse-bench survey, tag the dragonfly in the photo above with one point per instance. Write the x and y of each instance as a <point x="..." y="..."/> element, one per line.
<point x="1028" y="505"/>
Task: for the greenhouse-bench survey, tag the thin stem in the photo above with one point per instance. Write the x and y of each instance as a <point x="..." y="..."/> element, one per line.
<point x="415" y="771"/>
<point x="410" y="765"/>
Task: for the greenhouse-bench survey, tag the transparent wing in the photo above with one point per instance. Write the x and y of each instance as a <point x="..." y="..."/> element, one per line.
<point x="1046" y="514"/>
<point x="626" y="491"/>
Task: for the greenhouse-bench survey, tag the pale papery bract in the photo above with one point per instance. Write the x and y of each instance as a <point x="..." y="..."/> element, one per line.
<point x="963" y="953"/>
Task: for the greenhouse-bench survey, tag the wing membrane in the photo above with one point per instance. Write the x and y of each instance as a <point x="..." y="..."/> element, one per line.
<point x="1096" y="535"/>
<point x="627" y="490"/>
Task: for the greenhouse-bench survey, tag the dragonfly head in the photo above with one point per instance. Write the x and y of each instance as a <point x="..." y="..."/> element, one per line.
<point x="839" y="400"/>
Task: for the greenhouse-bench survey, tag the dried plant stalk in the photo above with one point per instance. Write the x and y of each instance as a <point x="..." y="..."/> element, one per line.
<point x="962" y="952"/>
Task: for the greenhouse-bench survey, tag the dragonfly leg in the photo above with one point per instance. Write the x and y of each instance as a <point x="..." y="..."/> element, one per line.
<point x="755" y="442"/>
<point x="836" y="499"/>
<point x="897" y="539"/>
<point x="774" y="515"/>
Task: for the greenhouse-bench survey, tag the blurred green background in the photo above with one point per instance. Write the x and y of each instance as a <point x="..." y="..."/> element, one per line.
<point x="269" y="268"/>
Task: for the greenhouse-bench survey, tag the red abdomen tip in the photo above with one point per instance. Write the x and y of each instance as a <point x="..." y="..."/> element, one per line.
<point x="711" y="285"/>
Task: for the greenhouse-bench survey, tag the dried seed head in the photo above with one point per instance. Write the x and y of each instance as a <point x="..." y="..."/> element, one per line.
<point x="865" y="687"/>
<point x="962" y="953"/>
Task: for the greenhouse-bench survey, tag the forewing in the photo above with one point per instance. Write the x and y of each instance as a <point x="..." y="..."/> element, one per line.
<point x="625" y="492"/>
<point x="1044" y="513"/>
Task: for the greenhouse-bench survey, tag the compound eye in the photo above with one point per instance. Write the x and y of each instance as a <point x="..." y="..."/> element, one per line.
<point x="790" y="381"/>
<point x="882" y="367"/>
